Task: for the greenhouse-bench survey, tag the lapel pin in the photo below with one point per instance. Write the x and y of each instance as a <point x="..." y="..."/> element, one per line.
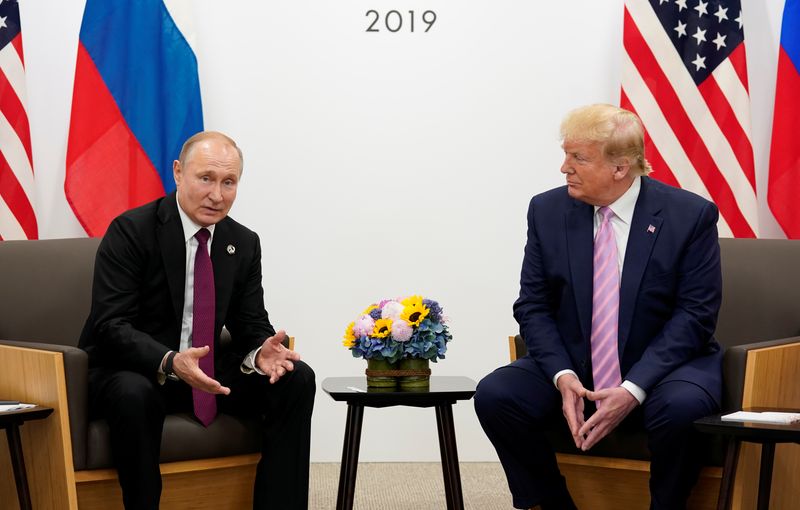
<point x="651" y="229"/>
<point x="231" y="249"/>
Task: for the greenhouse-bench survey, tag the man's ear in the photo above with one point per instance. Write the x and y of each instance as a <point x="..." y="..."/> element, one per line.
<point x="621" y="172"/>
<point x="176" y="171"/>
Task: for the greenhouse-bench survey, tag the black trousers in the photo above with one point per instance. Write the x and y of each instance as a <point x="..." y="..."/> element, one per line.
<point x="516" y="402"/>
<point x="135" y="407"/>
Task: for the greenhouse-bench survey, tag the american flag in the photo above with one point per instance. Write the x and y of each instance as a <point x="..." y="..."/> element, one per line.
<point x="685" y="75"/>
<point x="17" y="217"/>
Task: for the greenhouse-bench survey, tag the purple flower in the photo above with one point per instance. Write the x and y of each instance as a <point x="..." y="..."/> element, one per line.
<point x="435" y="314"/>
<point x="375" y="313"/>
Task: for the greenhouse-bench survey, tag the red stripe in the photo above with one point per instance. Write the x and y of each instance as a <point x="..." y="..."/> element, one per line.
<point x="107" y="170"/>
<point x="738" y="59"/>
<point x="669" y="103"/>
<point x="729" y="125"/>
<point x="17" y="200"/>
<point x="14" y="111"/>
<point x="784" y="158"/>
<point x="660" y="168"/>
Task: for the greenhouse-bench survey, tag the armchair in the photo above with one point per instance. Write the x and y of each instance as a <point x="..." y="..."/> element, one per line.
<point x="758" y="326"/>
<point x="45" y="298"/>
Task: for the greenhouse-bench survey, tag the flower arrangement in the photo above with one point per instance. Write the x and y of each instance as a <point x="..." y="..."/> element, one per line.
<point x="394" y="329"/>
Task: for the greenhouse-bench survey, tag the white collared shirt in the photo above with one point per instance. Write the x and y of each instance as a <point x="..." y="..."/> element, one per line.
<point x="623" y="209"/>
<point x="190" y="228"/>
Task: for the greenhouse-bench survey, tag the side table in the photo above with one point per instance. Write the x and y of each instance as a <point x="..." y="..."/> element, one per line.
<point x="11" y="421"/>
<point x="444" y="391"/>
<point x="768" y="434"/>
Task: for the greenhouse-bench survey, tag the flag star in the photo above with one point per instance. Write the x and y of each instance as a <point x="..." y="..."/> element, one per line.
<point x="701" y="8"/>
<point x="3" y="21"/>
<point x="660" y="2"/>
<point x="739" y="20"/>
<point x="699" y="62"/>
<point x="681" y="29"/>
<point x="681" y="4"/>
<point x="720" y="40"/>
<point x="721" y="14"/>
<point x="700" y="35"/>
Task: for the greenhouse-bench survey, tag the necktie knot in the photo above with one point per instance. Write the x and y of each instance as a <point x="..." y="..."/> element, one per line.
<point x="606" y="213"/>
<point x="202" y="236"/>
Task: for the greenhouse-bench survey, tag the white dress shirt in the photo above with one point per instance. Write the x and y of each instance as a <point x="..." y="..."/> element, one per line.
<point x="190" y="228"/>
<point x="623" y="209"/>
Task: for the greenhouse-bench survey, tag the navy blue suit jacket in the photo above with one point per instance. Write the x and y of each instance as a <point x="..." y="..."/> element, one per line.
<point x="669" y="295"/>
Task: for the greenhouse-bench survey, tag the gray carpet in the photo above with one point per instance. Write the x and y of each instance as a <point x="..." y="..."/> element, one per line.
<point x="411" y="486"/>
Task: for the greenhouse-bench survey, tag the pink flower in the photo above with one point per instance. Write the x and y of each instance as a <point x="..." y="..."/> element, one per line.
<point x="401" y="330"/>
<point x="363" y="326"/>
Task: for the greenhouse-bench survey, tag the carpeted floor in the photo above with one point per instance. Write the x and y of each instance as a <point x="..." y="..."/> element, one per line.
<point x="411" y="486"/>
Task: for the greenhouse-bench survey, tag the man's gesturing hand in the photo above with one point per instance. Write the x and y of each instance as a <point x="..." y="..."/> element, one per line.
<point x="274" y="359"/>
<point x="187" y="368"/>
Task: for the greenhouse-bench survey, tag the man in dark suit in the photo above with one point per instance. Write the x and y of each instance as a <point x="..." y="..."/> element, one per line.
<point x="168" y="276"/>
<point x="620" y="290"/>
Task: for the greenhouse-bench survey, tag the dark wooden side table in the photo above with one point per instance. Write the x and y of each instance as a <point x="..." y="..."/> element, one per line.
<point x="443" y="392"/>
<point x="11" y="421"/>
<point x="767" y="434"/>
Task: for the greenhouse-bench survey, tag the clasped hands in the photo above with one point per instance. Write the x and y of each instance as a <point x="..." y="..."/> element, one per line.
<point x="274" y="359"/>
<point x="613" y="405"/>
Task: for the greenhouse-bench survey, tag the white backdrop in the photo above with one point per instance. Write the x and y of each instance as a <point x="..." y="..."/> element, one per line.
<point x="385" y="164"/>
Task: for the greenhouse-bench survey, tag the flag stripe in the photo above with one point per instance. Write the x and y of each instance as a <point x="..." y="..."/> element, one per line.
<point x="732" y="130"/>
<point x="13" y="195"/>
<point x="689" y="118"/>
<point x="14" y="153"/>
<point x="16" y="117"/>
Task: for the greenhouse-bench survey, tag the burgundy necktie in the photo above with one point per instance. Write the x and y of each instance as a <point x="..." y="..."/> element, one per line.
<point x="205" y="404"/>
<point x="605" y="306"/>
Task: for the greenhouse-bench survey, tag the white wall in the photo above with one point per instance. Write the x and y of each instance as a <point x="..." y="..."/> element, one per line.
<point x="385" y="164"/>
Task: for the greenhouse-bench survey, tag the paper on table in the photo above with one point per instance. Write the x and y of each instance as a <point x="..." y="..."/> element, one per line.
<point x="15" y="407"/>
<point x="763" y="417"/>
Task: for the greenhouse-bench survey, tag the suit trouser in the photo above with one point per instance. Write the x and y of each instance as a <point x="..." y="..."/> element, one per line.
<point x="516" y="402"/>
<point x="135" y="407"/>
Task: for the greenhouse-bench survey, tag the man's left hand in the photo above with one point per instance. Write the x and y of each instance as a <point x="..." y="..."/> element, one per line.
<point x="614" y="405"/>
<point x="274" y="359"/>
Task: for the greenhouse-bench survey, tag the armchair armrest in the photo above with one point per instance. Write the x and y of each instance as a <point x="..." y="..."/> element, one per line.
<point x="735" y="367"/>
<point x="76" y="373"/>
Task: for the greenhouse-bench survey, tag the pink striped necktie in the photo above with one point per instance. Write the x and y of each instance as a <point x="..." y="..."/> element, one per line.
<point x="205" y="404"/>
<point x="605" y="306"/>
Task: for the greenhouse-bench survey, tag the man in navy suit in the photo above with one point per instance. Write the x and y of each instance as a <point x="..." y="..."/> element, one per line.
<point x="140" y="334"/>
<point x="667" y="362"/>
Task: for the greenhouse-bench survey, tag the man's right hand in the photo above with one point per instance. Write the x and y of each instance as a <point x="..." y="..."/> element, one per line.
<point x="186" y="366"/>
<point x="572" y="393"/>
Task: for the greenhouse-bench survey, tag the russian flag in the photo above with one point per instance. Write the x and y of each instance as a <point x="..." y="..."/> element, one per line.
<point x="136" y="99"/>
<point x="784" y="159"/>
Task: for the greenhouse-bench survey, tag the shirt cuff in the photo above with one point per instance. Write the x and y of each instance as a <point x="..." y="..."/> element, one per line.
<point x="249" y="366"/>
<point x="560" y="373"/>
<point x="160" y="376"/>
<point x="638" y="393"/>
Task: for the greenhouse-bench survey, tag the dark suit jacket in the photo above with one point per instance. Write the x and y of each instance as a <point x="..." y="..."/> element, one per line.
<point x="137" y="294"/>
<point x="669" y="295"/>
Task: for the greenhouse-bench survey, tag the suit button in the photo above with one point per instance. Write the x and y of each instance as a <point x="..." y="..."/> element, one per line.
<point x="583" y="363"/>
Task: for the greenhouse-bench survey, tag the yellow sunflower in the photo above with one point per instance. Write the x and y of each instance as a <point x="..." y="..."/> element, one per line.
<point x="382" y="329"/>
<point x="414" y="310"/>
<point x="349" y="336"/>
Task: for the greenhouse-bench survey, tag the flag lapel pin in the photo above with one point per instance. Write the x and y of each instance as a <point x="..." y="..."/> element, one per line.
<point x="231" y="249"/>
<point x="651" y="229"/>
